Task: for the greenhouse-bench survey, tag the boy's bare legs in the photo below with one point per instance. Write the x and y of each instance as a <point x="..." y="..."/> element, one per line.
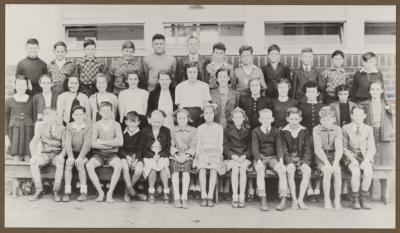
<point x="35" y="164"/>
<point x="137" y="173"/>
<point x="80" y="166"/>
<point x="68" y="174"/>
<point x="152" y="181"/>
<point x="115" y="163"/>
<point x="91" y="167"/>
<point x="337" y="174"/>
<point x="242" y="184"/>
<point x="366" y="183"/>
<point x="164" y="174"/>
<point x="283" y="185"/>
<point x="327" y="171"/>
<point x="291" y="169"/>
<point x="305" y="180"/>
<point x="127" y="179"/>
<point x="234" y="182"/>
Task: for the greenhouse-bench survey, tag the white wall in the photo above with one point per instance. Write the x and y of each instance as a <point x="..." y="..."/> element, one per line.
<point x="45" y="22"/>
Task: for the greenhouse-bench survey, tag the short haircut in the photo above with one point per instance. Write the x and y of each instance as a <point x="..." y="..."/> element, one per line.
<point x="131" y="116"/>
<point x="338" y="53"/>
<point x="311" y="84"/>
<point x="306" y="50"/>
<point x="327" y="111"/>
<point x="265" y="111"/>
<point x="219" y="46"/>
<point x="368" y="55"/>
<point x="193" y="37"/>
<point x="45" y="76"/>
<point x="164" y="72"/>
<point x="274" y="47"/>
<point x="105" y="104"/>
<point x="60" y="43"/>
<point x="158" y="37"/>
<point x="245" y="48"/>
<point x="222" y="69"/>
<point x="32" y="41"/>
<point x="357" y="106"/>
<point x="78" y="107"/>
<point x="88" y="42"/>
<point x="49" y="110"/>
<point x="341" y="87"/>
<point x="128" y="45"/>
<point x="294" y="110"/>
<point x="180" y="110"/>
<point x="283" y="80"/>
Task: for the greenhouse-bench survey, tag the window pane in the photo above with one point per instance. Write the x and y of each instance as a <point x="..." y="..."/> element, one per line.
<point x="304" y="33"/>
<point x="109" y="36"/>
<point x="380" y="33"/>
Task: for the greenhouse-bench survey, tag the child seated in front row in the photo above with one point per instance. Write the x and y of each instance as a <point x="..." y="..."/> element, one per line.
<point x="267" y="152"/>
<point x="237" y="151"/>
<point x="156" y="153"/>
<point x="328" y="146"/>
<point x="131" y="155"/>
<point x="50" y="134"/>
<point x="209" y="156"/>
<point x="183" y="149"/>
<point x="78" y="142"/>
<point x="359" y="150"/>
<point x="106" y="139"/>
<point x="297" y="155"/>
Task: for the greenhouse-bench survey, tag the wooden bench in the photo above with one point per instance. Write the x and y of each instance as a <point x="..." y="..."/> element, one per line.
<point x="21" y="170"/>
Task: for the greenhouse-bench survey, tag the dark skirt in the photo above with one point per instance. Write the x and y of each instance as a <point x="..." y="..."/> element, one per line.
<point x="20" y="137"/>
<point x="180" y="167"/>
<point x="385" y="154"/>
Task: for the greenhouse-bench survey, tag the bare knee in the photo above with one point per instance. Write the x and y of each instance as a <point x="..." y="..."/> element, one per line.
<point x="291" y="169"/>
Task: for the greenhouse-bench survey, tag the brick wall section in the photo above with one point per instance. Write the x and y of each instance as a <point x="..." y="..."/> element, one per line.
<point x="386" y="64"/>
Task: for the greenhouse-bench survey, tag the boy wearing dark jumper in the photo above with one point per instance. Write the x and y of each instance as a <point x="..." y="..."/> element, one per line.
<point x="131" y="155"/>
<point x="32" y="67"/>
<point x="267" y="149"/>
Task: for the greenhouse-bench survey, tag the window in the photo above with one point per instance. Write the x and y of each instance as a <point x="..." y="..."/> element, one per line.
<point x="304" y="33"/>
<point x="106" y="36"/>
<point x="208" y="33"/>
<point x="380" y="33"/>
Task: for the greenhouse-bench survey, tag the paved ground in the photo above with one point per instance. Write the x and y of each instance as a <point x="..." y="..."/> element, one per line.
<point x="20" y="212"/>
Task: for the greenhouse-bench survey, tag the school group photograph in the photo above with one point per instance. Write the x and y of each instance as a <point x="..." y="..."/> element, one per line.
<point x="200" y="116"/>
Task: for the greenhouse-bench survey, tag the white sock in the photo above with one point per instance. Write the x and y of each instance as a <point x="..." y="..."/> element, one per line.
<point x="152" y="190"/>
<point x="84" y="189"/>
<point x="166" y="191"/>
<point x="68" y="189"/>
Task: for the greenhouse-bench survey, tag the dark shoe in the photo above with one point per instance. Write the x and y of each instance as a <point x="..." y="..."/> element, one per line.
<point x="250" y="198"/>
<point x="210" y="203"/>
<point x="82" y="197"/>
<point x="184" y="204"/>
<point x="197" y="195"/>
<point x="178" y="203"/>
<point x="57" y="196"/>
<point x="166" y="198"/>
<point x="355" y="202"/>
<point x="264" y="206"/>
<point x="141" y="197"/>
<point x="66" y="198"/>
<point x="38" y="194"/>
<point x="312" y="199"/>
<point x="203" y="202"/>
<point x="364" y="200"/>
<point x="282" y="205"/>
<point x="346" y="197"/>
<point x="152" y="199"/>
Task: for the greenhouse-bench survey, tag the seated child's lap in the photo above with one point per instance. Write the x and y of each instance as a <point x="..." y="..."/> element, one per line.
<point x="318" y="162"/>
<point x="267" y="163"/>
<point x="233" y="164"/>
<point x="104" y="158"/>
<point x="47" y="158"/>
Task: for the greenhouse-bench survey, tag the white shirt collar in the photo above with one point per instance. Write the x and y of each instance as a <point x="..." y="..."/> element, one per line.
<point x="134" y="132"/>
<point x="293" y="132"/>
<point x="373" y="70"/>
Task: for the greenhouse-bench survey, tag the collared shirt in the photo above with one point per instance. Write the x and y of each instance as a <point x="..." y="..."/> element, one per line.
<point x="306" y="68"/>
<point x="194" y="57"/>
<point x="240" y="80"/>
<point x="333" y="77"/>
<point x="358" y="138"/>
<point x="372" y="70"/>
<point x="131" y="133"/>
<point x="120" y="68"/>
<point x="87" y="69"/>
<point x="293" y="132"/>
<point x="59" y="73"/>
<point x="265" y="130"/>
<point x="61" y="63"/>
<point x="327" y="138"/>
